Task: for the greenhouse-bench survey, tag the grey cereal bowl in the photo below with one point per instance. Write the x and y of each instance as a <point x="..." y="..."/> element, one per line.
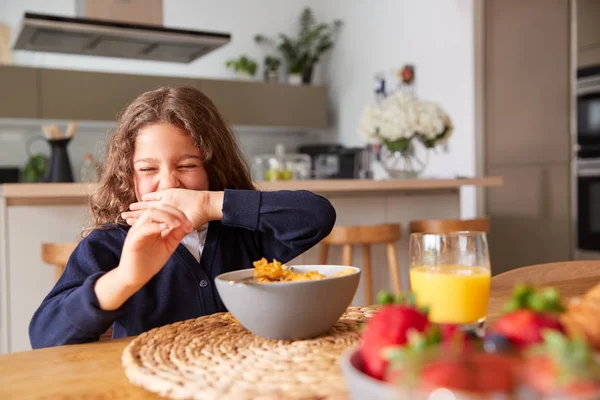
<point x="289" y="310"/>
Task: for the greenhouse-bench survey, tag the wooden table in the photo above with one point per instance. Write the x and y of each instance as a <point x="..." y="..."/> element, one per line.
<point x="94" y="370"/>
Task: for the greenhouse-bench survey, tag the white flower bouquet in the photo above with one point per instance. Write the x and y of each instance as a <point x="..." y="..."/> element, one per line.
<point x="402" y="117"/>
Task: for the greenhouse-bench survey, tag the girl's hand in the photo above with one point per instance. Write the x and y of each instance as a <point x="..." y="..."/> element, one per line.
<point x="198" y="206"/>
<point x="150" y="242"/>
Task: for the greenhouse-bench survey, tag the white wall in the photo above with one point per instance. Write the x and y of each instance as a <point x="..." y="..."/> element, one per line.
<point x="434" y="35"/>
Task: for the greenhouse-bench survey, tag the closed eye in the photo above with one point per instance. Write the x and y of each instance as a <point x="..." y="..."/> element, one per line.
<point x="147" y="169"/>
<point x="188" y="166"/>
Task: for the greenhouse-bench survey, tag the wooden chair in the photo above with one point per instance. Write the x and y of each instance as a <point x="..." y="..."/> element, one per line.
<point x="450" y="225"/>
<point x="365" y="236"/>
<point x="58" y="254"/>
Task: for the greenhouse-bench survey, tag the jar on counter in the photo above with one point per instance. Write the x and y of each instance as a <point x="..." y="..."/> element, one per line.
<point x="271" y="167"/>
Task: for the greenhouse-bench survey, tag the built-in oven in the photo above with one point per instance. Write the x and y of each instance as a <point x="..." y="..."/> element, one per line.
<point x="588" y="204"/>
<point x="588" y="113"/>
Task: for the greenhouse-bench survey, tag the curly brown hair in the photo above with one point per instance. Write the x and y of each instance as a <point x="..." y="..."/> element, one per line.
<point x="190" y="110"/>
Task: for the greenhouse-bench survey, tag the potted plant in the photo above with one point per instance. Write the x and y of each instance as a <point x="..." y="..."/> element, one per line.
<point x="272" y="65"/>
<point x="304" y="52"/>
<point x="396" y="123"/>
<point x="244" y="67"/>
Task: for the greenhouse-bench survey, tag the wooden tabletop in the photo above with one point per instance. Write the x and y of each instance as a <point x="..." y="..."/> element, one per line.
<point x="94" y="370"/>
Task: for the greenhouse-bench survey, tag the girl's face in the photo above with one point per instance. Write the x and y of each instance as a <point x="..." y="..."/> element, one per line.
<point x="165" y="157"/>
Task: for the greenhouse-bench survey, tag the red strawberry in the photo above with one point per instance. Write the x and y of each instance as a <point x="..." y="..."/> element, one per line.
<point x="541" y="373"/>
<point x="524" y="327"/>
<point x="386" y="329"/>
<point x="475" y="373"/>
<point x="562" y="365"/>
<point x="448" y="331"/>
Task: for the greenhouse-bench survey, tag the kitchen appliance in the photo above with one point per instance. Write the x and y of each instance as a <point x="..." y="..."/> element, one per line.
<point x="588" y="112"/>
<point x="116" y="28"/>
<point x="334" y="161"/>
<point x="9" y="174"/>
<point x="588" y="204"/>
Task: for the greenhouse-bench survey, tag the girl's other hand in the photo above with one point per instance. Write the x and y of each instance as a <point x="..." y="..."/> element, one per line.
<point x="198" y="206"/>
<point x="150" y="242"/>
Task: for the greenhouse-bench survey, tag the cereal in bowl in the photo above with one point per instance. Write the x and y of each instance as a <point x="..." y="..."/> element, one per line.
<point x="266" y="272"/>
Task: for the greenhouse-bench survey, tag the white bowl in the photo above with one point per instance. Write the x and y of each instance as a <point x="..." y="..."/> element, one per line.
<point x="289" y="310"/>
<point x="362" y="386"/>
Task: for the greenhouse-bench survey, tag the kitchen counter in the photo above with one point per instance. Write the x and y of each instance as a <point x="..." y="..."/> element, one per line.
<point x="77" y="193"/>
<point x="32" y="214"/>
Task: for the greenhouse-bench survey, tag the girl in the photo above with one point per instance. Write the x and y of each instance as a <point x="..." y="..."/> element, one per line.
<point x="175" y="208"/>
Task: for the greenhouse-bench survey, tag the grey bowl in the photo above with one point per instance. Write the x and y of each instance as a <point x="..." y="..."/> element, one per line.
<point x="289" y="310"/>
<point x="360" y="385"/>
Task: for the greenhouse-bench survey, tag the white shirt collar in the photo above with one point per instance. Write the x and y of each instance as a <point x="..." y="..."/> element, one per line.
<point x="195" y="241"/>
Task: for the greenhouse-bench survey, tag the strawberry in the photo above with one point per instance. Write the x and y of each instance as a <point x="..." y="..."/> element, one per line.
<point x="472" y="372"/>
<point x="528" y="313"/>
<point x="524" y="327"/>
<point x="562" y="366"/>
<point x="387" y="329"/>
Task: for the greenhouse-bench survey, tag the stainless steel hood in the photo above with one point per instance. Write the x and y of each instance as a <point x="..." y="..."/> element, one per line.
<point x="57" y="34"/>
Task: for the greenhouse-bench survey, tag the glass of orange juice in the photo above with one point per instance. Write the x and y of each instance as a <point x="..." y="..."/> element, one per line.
<point x="450" y="274"/>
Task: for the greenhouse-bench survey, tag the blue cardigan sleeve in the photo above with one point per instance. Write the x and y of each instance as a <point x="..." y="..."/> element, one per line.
<point x="288" y="222"/>
<point x="71" y="313"/>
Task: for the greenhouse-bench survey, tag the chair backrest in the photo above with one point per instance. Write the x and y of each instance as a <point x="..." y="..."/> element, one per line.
<point x="366" y="234"/>
<point x="57" y="254"/>
<point x="450" y="225"/>
<point x="543" y="274"/>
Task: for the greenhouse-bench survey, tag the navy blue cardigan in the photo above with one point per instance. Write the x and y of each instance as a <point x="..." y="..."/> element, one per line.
<point x="280" y="225"/>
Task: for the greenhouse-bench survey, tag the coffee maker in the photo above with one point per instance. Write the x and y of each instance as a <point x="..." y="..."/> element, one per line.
<point x="335" y="161"/>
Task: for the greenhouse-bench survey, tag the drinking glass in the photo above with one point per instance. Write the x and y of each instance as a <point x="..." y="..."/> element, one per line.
<point x="450" y="274"/>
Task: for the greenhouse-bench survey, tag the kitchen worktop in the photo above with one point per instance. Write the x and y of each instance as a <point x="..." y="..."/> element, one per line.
<point x="33" y="214"/>
<point x="77" y="193"/>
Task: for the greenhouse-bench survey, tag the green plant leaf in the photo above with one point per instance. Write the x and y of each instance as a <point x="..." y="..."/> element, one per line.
<point x="525" y="296"/>
<point x="305" y="51"/>
<point x="401" y="145"/>
<point x="385" y="297"/>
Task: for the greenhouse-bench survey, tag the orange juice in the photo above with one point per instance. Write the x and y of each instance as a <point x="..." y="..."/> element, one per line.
<point x="455" y="294"/>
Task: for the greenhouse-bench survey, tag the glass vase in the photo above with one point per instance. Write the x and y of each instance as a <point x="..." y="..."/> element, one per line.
<point x="404" y="163"/>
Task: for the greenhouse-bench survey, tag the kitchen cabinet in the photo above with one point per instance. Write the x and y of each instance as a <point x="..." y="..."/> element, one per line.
<point x="529" y="216"/>
<point x="527" y="117"/>
<point x="527" y="83"/>
<point x="19" y="92"/>
<point x="588" y="33"/>
<point x="98" y="96"/>
<point x="255" y="103"/>
<point x="82" y="95"/>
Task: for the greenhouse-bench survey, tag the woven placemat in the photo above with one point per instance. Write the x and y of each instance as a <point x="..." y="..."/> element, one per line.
<point x="214" y="357"/>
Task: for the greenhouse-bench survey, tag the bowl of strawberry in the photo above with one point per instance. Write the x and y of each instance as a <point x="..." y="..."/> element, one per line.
<point x="404" y="355"/>
<point x="525" y="354"/>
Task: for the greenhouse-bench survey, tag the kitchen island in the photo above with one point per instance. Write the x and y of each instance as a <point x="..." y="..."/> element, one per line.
<point x="56" y="212"/>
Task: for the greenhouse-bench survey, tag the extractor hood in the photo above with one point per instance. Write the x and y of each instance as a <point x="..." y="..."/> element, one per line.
<point x="100" y="37"/>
